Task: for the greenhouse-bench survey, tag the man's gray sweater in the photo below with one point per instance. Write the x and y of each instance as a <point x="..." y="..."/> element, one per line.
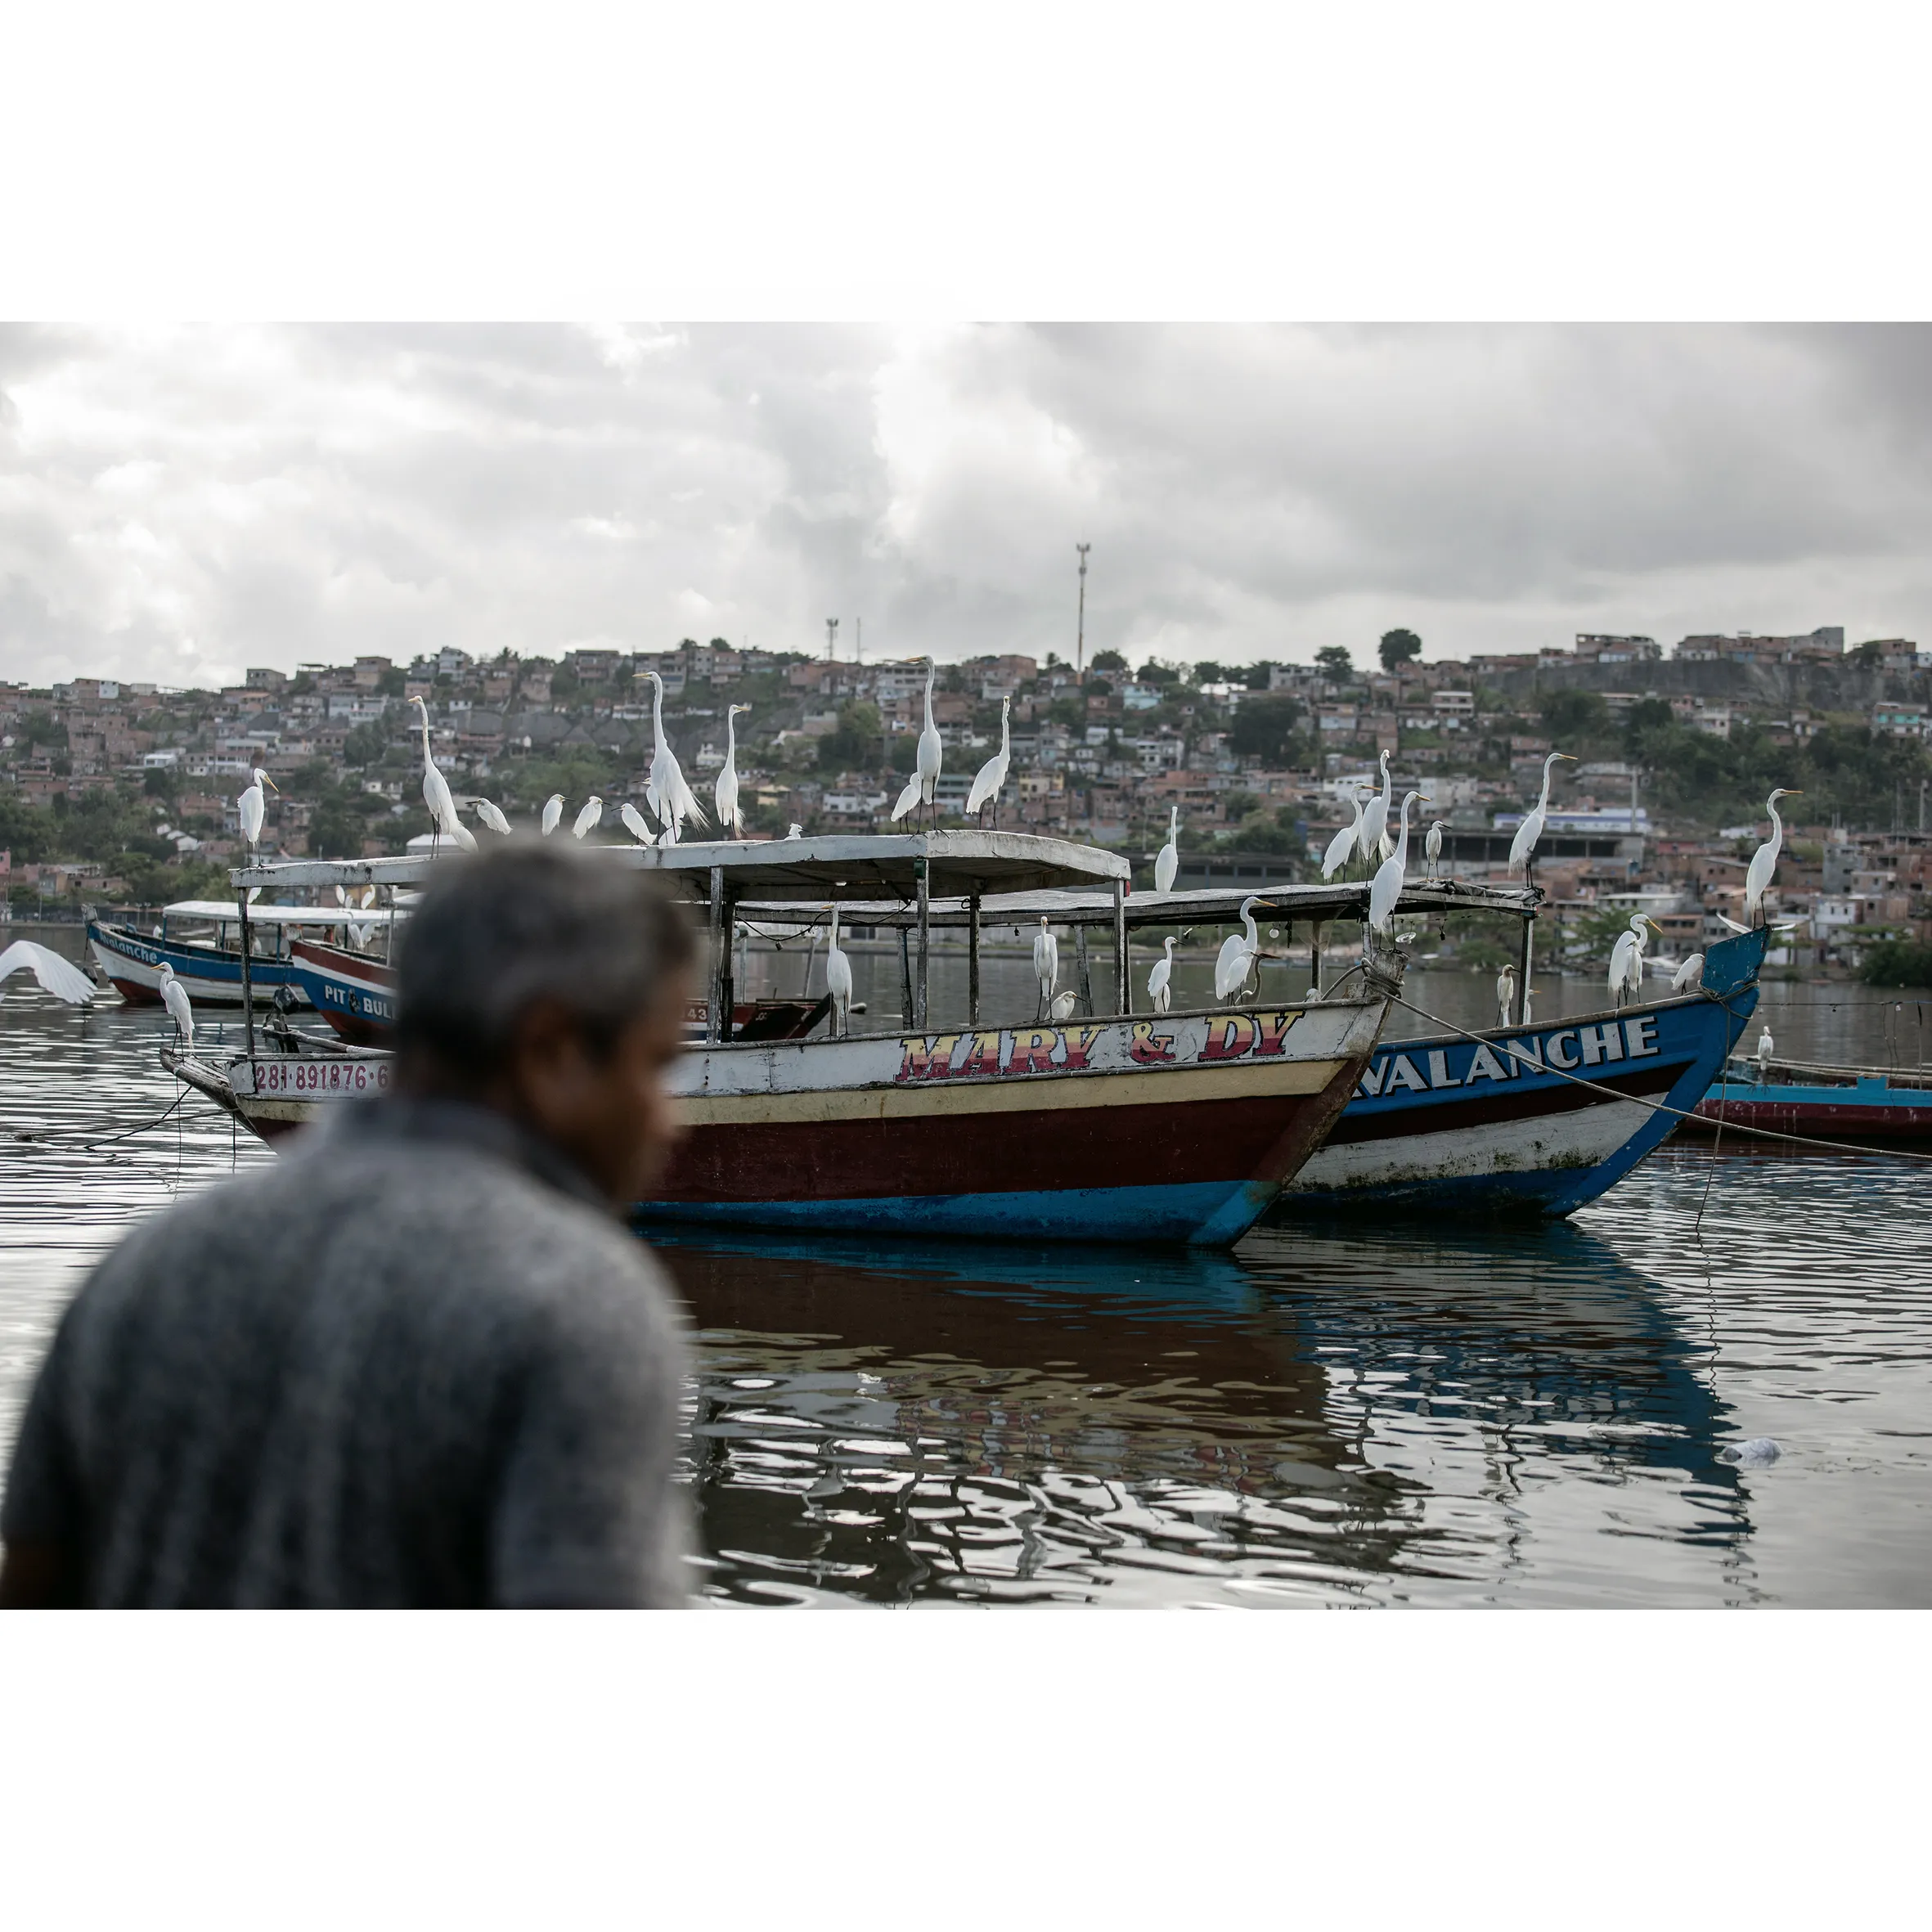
<point x="414" y="1364"/>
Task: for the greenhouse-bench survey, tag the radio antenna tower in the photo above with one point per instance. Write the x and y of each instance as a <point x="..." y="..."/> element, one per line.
<point x="831" y="639"/>
<point x="1080" y="640"/>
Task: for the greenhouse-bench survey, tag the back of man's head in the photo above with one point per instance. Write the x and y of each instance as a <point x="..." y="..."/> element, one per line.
<point x="523" y="923"/>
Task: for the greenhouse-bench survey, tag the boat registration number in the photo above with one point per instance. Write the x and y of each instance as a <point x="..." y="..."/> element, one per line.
<point x="321" y="1077"/>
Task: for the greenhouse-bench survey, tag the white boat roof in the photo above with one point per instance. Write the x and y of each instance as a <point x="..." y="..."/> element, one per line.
<point x="225" y="910"/>
<point x="788" y="870"/>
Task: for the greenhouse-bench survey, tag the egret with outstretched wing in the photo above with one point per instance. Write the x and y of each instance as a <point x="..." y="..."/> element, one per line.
<point x="61" y="977"/>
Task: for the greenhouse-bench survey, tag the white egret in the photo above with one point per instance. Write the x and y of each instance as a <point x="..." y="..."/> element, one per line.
<point x="1689" y="975"/>
<point x="635" y="824"/>
<point x="1387" y="887"/>
<point x="588" y="820"/>
<point x="1167" y="859"/>
<point x="1345" y="842"/>
<point x="174" y="996"/>
<point x="1046" y="963"/>
<point x="1157" y="981"/>
<point x="491" y="816"/>
<point x="253" y="806"/>
<point x="1757" y="878"/>
<point x="725" y="793"/>
<point x="1373" y="838"/>
<point x="553" y="813"/>
<point x="931" y="752"/>
<point x="795" y="831"/>
<point x="1777" y="926"/>
<point x="436" y="792"/>
<point x="1626" y="960"/>
<point x="1506" y="995"/>
<point x="1432" y="844"/>
<point x="667" y="795"/>
<point x="992" y="781"/>
<point x="1238" y="953"/>
<point x="1523" y="848"/>
<point x="1764" y="1046"/>
<point x="838" y="979"/>
<point x="61" y="977"/>
<point x="1062" y="1008"/>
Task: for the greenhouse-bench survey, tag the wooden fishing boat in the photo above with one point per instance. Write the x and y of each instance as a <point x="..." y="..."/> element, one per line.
<point x="1180" y="1127"/>
<point x="1491" y="1123"/>
<point x="204" y="940"/>
<point x="1821" y="1100"/>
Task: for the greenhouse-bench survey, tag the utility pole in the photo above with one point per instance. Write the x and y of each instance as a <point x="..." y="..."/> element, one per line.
<point x="1080" y="640"/>
<point x="858" y="642"/>
<point x="831" y="639"/>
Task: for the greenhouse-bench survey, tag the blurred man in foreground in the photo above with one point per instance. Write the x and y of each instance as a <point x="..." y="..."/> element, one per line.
<point x="418" y="1361"/>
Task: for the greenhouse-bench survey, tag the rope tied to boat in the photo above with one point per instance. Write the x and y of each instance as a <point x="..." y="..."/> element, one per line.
<point x="1836" y="1147"/>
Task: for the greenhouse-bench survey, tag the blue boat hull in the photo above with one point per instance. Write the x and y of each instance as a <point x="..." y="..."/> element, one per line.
<point x="1487" y="1124"/>
<point x="212" y="977"/>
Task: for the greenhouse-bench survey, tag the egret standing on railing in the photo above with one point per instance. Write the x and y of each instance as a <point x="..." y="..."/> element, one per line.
<point x="1764" y="1047"/>
<point x="174" y="996"/>
<point x="1158" y="980"/>
<point x="992" y="781"/>
<point x="61" y="977"/>
<point x="1523" y="848"/>
<point x="1373" y="838"/>
<point x="436" y="793"/>
<point x="635" y="824"/>
<point x="1432" y="844"/>
<point x="667" y="793"/>
<point x="1757" y="878"/>
<point x="1626" y="960"/>
<point x="253" y="807"/>
<point x="1506" y="995"/>
<point x="1238" y="953"/>
<point x="1345" y="842"/>
<point x="589" y="818"/>
<point x="1046" y="964"/>
<point x="491" y="816"/>
<point x="1167" y="859"/>
<point x="838" y="979"/>
<point x="1689" y="975"/>
<point x="1387" y="887"/>
<point x="725" y="793"/>
<point x="553" y="813"/>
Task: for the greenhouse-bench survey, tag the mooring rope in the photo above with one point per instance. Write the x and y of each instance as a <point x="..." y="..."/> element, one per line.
<point x="1839" y="1147"/>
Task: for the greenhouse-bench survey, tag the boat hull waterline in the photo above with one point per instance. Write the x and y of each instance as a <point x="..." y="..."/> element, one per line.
<point x="1487" y="1124"/>
<point x="211" y="976"/>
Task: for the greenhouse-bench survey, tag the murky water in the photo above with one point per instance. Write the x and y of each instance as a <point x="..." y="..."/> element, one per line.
<point x="1339" y="1415"/>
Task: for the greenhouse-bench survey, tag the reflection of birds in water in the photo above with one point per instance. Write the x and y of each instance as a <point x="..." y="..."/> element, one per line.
<point x="1506" y="994"/>
<point x="1157" y="981"/>
<point x="1046" y="963"/>
<point x="1689" y="975"/>
<point x="61" y="977"/>
<point x="174" y="996"/>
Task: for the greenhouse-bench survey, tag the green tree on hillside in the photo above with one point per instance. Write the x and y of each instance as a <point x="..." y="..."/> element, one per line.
<point x="1397" y="648"/>
<point x="1334" y="661"/>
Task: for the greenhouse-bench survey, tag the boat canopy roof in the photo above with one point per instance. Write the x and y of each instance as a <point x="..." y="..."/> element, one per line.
<point x="787" y="871"/>
<point x="225" y="910"/>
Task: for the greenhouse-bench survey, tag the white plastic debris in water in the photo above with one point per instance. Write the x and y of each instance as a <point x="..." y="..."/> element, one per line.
<point x="1760" y="1453"/>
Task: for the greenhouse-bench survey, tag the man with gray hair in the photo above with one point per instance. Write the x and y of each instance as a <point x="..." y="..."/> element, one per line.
<point x="418" y="1361"/>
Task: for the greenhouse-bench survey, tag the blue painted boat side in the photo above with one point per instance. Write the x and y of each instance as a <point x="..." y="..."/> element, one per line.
<point x="215" y="970"/>
<point x="1207" y="1214"/>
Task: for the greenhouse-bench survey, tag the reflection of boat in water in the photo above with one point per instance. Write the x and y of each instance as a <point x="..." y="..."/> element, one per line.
<point x="1488" y="1124"/>
<point x="889" y="1420"/>
<point x="1821" y="1100"/>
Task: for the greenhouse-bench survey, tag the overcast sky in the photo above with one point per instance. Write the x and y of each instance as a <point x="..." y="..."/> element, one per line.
<point x="177" y="503"/>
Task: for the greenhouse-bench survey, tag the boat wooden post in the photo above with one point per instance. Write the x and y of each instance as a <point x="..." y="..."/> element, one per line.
<point x="1083" y="968"/>
<point x="720" y="965"/>
<point x="1523" y="969"/>
<point x="972" y="959"/>
<point x="247" y="990"/>
<point x="904" y="978"/>
<point x="1316" y="930"/>
<point x="919" y="991"/>
<point x="1122" y="992"/>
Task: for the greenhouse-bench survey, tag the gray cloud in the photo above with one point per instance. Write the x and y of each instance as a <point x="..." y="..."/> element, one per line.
<point x="179" y="502"/>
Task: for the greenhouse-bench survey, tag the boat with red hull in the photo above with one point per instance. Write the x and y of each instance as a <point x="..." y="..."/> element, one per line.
<point x="1867" y="1105"/>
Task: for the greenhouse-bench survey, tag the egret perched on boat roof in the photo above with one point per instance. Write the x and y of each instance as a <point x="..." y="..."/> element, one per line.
<point x="1157" y="981"/>
<point x="253" y="806"/>
<point x="553" y="813"/>
<point x="1046" y="963"/>
<point x="1757" y="878"/>
<point x="1238" y="952"/>
<point x="724" y="792"/>
<point x="992" y="781"/>
<point x="174" y="996"/>
<point x="436" y="793"/>
<point x="1626" y="959"/>
<point x="1167" y="859"/>
<point x="1387" y="887"/>
<point x="1523" y="848"/>
<point x="1432" y="844"/>
<point x="1344" y="841"/>
<point x="667" y="793"/>
<point x="61" y="977"/>
<point x="1373" y="838"/>
<point x="930" y="754"/>
<point x="589" y="818"/>
<point x="490" y="815"/>
<point x="635" y="824"/>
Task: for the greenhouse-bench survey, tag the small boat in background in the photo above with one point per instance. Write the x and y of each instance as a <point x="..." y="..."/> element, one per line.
<point x="1818" y="1099"/>
<point x="200" y="938"/>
